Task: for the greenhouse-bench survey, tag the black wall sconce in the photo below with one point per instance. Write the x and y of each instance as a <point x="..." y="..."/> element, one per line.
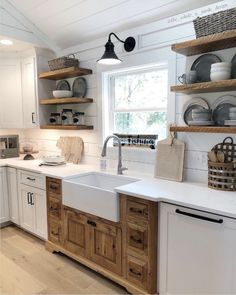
<point x="109" y="57"/>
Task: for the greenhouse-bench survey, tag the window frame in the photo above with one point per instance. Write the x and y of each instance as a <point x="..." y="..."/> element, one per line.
<point x="110" y="78"/>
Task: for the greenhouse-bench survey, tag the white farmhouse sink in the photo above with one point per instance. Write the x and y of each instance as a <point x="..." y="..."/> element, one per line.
<point x="94" y="193"/>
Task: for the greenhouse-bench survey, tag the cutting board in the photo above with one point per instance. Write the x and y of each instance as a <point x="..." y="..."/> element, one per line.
<point x="170" y="159"/>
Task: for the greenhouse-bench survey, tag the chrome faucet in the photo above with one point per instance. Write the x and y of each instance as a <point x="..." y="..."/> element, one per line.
<point x="120" y="169"/>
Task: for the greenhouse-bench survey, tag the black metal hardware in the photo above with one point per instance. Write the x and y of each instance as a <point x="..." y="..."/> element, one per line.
<point x="135" y="272"/>
<point x="31" y="179"/>
<point x="31" y="199"/>
<point x="28" y="198"/>
<point x="135" y="210"/>
<point x="33" y="121"/>
<point x="199" y="216"/>
<point x="90" y="222"/>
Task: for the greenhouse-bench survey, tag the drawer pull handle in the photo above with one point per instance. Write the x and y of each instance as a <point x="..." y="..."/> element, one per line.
<point x="135" y="210"/>
<point x="53" y="186"/>
<point x="31" y="179"/>
<point x="53" y="209"/>
<point x="135" y="272"/>
<point x="90" y="222"/>
<point x="136" y="240"/>
<point x="199" y="216"/>
<point x="54" y="233"/>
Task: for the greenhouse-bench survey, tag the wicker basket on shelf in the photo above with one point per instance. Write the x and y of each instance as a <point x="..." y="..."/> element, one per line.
<point x="222" y="176"/>
<point x="63" y="62"/>
<point x="215" y="23"/>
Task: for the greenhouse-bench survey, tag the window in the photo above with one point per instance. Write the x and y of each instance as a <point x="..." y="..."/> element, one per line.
<point x="137" y="101"/>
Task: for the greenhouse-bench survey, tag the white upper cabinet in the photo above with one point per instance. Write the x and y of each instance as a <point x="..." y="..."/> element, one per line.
<point x="11" y="113"/>
<point x="29" y="97"/>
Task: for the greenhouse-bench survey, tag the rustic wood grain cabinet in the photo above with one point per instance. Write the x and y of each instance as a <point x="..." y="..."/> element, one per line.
<point x="124" y="251"/>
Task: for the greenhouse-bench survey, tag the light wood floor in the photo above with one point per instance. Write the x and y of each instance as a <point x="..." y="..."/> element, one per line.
<point x="27" y="268"/>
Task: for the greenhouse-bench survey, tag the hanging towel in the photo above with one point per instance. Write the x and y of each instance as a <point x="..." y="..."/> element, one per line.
<point x="169" y="159"/>
<point x="72" y="148"/>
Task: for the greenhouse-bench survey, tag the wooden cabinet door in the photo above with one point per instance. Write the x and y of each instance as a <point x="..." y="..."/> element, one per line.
<point x="4" y="209"/>
<point x="105" y="245"/>
<point x="75" y="232"/>
<point x="13" y="195"/>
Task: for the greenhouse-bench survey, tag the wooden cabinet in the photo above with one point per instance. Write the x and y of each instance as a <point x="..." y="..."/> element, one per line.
<point x="94" y="238"/>
<point x="139" y="238"/>
<point x="54" y="210"/>
<point x="13" y="195"/>
<point x="105" y="245"/>
<point x="4" y="207"/>
<point x="76" y="239"/>
<point x="197" y="252"/>
<point x="124" y="251"/>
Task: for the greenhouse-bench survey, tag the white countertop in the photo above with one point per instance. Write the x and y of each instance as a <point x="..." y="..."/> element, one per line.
<point x="193" y="195"/>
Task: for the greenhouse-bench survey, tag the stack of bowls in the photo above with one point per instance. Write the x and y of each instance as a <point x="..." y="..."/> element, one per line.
<point x="201" y="115"/>
<point x="220" y="71"/>
<point x="232" y="113"/>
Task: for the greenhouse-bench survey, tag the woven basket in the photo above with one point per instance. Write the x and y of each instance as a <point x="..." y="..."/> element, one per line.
<point x="63" y="62"/>
<point x="222" y="176"/>
<point x="215" y="23"/>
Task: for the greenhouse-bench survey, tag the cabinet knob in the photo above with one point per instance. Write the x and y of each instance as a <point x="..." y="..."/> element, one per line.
<point x="93" y="223"/>
<point x="136" y="240"/>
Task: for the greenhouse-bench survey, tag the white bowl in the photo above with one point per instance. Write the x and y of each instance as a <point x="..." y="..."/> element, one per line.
<point x="220" y="71"/>
<point x="62" y="93"/>
<point x="220" y="76"/>
<point x="221" y="64"/>
<point x="233" y="109"/>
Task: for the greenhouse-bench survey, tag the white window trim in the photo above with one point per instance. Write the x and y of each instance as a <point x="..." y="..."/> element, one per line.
<point x="110" y="80"/>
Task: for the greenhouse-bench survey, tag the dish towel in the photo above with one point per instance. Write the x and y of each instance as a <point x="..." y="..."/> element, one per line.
<point x="170" y="159"/>
<point x="71" y="148"/>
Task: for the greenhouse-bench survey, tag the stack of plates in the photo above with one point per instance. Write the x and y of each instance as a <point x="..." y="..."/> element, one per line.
<point x="53" y="161"/>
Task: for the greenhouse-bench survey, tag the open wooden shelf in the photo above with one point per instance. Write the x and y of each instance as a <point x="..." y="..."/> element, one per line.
<point x="65" y="73"/>
<point x="206" y="44"/>
<point x="212" y="86"/>
<point x="66" y="127"/>
<point x="68" y="100"/>
<point x="203" y="129"/>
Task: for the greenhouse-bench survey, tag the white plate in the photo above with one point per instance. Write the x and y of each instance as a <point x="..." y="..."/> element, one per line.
<point x="224" y="99"/>
<point x="230" y="122"/>
<point x="201" y="123"/>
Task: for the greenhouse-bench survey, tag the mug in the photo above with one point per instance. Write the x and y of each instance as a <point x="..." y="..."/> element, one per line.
<point x="188" y="78"/>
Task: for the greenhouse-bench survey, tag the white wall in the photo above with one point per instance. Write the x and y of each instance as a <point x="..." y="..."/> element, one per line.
<point x="153" y="44"/>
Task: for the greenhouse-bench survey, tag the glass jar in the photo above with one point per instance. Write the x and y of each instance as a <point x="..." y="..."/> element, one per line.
<point x="78" y="118"/>
<point x="55" y="119"/>
<point x="67" y="117"/>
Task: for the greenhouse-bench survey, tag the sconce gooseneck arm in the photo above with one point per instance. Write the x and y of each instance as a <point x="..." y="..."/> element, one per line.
<point x="109" y="38"/>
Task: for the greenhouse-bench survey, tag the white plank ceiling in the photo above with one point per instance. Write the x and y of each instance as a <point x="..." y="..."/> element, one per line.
<point x="71" y="22"/>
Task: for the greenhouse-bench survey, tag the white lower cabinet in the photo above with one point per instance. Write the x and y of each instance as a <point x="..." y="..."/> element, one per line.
<point x="33" y="207"/>
<point x="13" y="195"/>
<point x="4" y="206"/>
<point x="197" y="253"/>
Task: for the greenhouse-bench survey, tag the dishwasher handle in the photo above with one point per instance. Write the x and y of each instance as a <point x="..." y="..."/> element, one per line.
<point x="220" y="221"/>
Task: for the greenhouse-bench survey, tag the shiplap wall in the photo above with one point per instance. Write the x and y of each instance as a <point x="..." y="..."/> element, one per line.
<point x="153" y="45"/>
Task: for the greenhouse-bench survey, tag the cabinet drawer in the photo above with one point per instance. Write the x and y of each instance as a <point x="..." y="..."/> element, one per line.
<point x="137" y="238"/>
<point x="54" y="232"/>
<point x="137" y="272"/>
<point x="54" y="208"/>
<point x="32" y="179"/>
<point x="54" y="186"/>
<point x="137" y="209"/>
